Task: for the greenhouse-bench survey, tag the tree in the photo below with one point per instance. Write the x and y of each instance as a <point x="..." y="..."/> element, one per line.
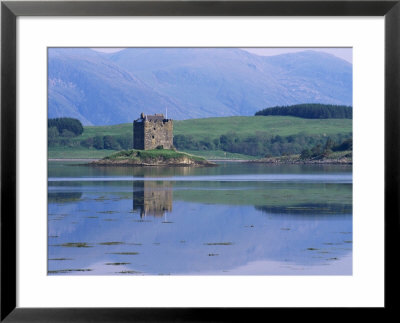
<point x="67" y="134"/>
<point x="125" y="141"/>
<point x="52" y="133"/>
<point x="110" y="143"/>
<point x="98" y="142"/>
<point x="52" y="136"/>
<point x="88" y="143"/>
<point x="70" y="124"/>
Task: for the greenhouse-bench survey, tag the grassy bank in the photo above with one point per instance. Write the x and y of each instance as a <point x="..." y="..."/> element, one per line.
<point x="77" y="152"/>
<point x="211" y="128"/>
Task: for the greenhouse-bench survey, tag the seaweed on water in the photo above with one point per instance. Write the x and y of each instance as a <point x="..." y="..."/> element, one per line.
<point x="65" y="271"/>
<point x="73" y="245"/>
<point x="122" y="253"/>
<point x="107" y="212"/>
<point x="218" y="243"/>
<point x="111" y="243"/>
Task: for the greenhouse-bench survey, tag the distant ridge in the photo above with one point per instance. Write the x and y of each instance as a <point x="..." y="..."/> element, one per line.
<point x="110" y="88"/>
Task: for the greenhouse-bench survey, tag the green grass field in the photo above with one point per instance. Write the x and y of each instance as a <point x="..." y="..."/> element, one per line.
<point x="77" y="152"/>
<point x="273" y="125"/>
<point x="213" y="128"/>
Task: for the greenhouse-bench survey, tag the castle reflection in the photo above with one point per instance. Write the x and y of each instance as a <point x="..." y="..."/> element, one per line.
<point x="152" y="198"/>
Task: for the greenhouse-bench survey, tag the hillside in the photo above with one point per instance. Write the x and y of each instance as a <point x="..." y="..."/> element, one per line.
<point x="99" y="88"/>
<point x="280" y="132"/>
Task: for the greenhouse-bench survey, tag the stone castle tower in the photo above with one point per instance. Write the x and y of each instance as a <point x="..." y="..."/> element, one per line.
<point x="152" y="131"/>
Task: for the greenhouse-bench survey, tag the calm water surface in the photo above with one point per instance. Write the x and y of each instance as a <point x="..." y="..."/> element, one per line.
<point x="234" y="219"/>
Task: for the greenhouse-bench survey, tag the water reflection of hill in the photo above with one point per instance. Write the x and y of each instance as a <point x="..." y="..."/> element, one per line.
<point x="308" y="209"/>
<point x="212" y="227"/>
<point x="57" y="197"/>
<point x="152" y="198"/>
<point x="198" y="238"/>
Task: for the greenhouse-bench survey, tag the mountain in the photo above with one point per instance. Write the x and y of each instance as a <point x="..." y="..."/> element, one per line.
<point x="86" y="85"/>
<point x="102" y="88"/>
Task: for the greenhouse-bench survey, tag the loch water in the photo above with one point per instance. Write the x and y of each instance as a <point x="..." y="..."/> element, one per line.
<point x="234" y="219"/>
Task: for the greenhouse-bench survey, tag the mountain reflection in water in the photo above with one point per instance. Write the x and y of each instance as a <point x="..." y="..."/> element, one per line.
<point x="161" y="225"/>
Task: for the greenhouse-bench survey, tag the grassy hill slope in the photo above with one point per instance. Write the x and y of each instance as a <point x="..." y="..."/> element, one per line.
<point x="214" y="128"/>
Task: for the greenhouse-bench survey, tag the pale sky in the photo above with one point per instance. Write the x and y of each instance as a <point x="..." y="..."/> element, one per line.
<point x="345" y="53"/>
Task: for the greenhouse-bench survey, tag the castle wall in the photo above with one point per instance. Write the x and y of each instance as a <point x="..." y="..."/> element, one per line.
<point x="138" y="135"/>
<point x="152" y="198"/>
<point x="152" y="131"/>
<point x="158" y="133"/>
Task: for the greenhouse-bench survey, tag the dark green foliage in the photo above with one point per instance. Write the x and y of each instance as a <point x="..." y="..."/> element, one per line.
<point x="70" y="124"/>
<point x="67" y="134"/>
<point x="52" y="133"/>
<point x="98" y="142"/>
<point x="186" y="142"/>
<point x="262" y="144"/>
<point x="319" y="151"/>
<point x="88" y="143"/>
<point x="310" y="111"/>
<point x="306" y="154"/>
<point x="125" y="141"/>
<point x="110" y="143"/>
<point x="345" y="145"/>
<point x="61" y="131"/>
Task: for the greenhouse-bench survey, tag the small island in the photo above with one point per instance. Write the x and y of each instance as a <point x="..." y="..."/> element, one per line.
<point x="154" y="157"/>
<point x="152" y="146"/>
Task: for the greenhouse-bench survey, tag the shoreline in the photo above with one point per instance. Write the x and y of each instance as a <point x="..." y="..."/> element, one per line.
<point x="72" y="159"/>
<point x="343" y="162"/>
<point x="95" y="159"/>
<point x="251" y="161"/>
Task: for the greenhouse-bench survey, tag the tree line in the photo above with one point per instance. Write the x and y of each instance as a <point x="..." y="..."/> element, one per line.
<point x="310" y="111"/>
<point x="65" y="127"/>
<point x="63" y="132"/>
<point x="320" y="151"/>
<point x="260" y="144"/>
<point x="109" y="142"/>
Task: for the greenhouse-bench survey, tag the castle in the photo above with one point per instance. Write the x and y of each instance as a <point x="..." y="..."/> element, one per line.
<point x="152" y="131"/>
<point x="152" y="198"/>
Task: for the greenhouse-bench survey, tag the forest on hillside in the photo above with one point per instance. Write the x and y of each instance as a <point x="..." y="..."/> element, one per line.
<point x="310" y="111"/>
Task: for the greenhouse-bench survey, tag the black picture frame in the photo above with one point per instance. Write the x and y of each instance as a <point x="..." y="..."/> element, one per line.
<point x="10" y="10"/>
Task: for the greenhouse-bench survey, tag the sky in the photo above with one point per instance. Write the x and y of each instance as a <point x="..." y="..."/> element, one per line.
<point x="345" y="53"/>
